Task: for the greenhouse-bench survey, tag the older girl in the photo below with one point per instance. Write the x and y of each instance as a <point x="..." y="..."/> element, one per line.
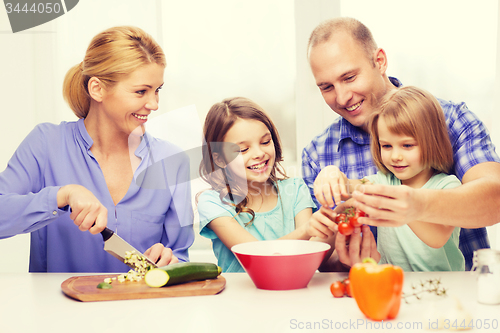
<point x="251" y="197"/>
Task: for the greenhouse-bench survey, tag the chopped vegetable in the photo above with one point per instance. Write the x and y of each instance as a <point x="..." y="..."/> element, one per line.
<point x="140" y="264"/>
<point x="104" y="285"/>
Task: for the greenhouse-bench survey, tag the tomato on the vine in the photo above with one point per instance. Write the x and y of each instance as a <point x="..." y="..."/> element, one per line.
<point x="354" y="222"/>
<point x="341" y="288"/>
<point x="340" y="218"/>
<point x="337" y="289"/>
<point x="359" y="213"/>
<point x="347" y="286"/>
<point x="349" y="216"/>
<point x="345" y="228"/>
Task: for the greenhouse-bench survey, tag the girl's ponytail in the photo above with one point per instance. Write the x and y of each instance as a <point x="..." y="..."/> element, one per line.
<point x="75" y="91"/>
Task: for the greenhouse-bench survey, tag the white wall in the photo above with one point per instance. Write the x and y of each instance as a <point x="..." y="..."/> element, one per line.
<point x="313" y="114"/>
<point x="221" y="48"/>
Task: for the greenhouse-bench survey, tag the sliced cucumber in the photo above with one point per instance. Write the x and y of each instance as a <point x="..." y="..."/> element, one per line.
<point x="156" y="278"/>
<point x="181" y="273"/>
<point x="104" y="285"/>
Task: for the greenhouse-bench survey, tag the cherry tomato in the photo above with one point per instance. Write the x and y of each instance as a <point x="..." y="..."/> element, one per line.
<point x="347" y="287"/>
<point x="345" y="228"/>
<point x="337" y="288"/>
<point x="359" y="213"/>
<point x="354" y="215"/>
<point x="340" y="218"/>
<point x="354" y="222"/>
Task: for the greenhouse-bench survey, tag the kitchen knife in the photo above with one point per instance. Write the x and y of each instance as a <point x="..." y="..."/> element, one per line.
<point x="117" y="247"/>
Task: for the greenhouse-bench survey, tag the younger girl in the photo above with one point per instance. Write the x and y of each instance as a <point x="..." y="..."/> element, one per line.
<point x="251" y="197"/>
<point x="410" y="146"/>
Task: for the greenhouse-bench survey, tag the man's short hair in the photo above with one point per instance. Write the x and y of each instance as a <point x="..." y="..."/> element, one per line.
<point x="324" y="31"/>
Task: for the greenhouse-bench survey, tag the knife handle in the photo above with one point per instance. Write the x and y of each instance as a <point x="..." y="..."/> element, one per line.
<point x="106" y="234"/>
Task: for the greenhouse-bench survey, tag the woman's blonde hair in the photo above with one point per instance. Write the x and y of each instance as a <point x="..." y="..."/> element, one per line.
<point x="414" y="112"/>
<point x="218" y="122"/>
<point x="111" y="56"/>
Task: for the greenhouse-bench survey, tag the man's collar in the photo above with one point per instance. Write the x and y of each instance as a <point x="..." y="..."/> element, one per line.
<point x="395" y="81"/>
<point x="356" y="134"/>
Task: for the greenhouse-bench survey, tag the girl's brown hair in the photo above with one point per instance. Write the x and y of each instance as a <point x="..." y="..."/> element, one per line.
<point x="218" y="121"/>
<point x="111" y="56"/>
<point x="414" y="112"/>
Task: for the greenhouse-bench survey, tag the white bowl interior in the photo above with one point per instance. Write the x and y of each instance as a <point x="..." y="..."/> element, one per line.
<point x="285" y="247"/>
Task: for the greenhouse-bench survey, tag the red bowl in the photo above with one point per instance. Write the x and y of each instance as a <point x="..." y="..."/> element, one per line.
<point x="281" y="264"/>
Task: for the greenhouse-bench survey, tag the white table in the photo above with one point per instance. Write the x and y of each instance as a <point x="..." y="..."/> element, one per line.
<point x="35" y="303"/>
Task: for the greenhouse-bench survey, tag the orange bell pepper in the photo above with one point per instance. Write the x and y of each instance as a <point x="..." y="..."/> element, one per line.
<point x="377" y="289"/>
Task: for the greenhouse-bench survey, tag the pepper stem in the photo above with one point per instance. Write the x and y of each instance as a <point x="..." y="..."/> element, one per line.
<point x="369" y="260"/>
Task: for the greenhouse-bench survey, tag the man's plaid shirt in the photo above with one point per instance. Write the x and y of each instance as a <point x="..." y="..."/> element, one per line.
<point x="348" y="147"/>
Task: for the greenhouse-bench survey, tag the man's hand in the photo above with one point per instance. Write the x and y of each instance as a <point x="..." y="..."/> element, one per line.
<point x="361" y="245"/>
<point x="389" y="206"/>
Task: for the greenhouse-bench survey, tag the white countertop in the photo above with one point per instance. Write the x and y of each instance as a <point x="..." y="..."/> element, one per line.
<point x="35" y="303"/>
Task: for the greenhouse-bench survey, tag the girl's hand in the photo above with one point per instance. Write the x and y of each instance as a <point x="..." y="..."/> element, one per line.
<point x="330" y="186"/>
<point x="321" y="223"/>
<point x="161" y="255"/>
<point x="87" y="212"/>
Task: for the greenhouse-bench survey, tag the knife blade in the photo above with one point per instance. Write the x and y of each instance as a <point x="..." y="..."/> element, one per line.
<point x="118" y="247"/>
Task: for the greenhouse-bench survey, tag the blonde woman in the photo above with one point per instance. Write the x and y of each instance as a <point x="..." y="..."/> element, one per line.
<point x="92" y="172"/>
<point x="410" y="146"/>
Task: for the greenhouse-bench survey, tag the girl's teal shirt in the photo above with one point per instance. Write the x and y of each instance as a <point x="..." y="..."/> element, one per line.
<point x="293" y="197"/>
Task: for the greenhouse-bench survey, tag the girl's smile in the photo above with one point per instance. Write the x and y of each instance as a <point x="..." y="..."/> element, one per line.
<point x="256" y="149"/>
<point x="260" y="167"/>
<point x="399" y="168"/>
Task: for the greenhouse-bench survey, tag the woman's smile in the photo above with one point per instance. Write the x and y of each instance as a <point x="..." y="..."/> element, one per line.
<point x="142" y="117"/>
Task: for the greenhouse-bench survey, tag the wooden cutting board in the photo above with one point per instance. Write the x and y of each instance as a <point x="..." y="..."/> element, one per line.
<point x="84" y="288"/>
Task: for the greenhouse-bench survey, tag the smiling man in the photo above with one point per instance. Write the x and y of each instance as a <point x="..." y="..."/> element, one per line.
<point x="350" y="71"/>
